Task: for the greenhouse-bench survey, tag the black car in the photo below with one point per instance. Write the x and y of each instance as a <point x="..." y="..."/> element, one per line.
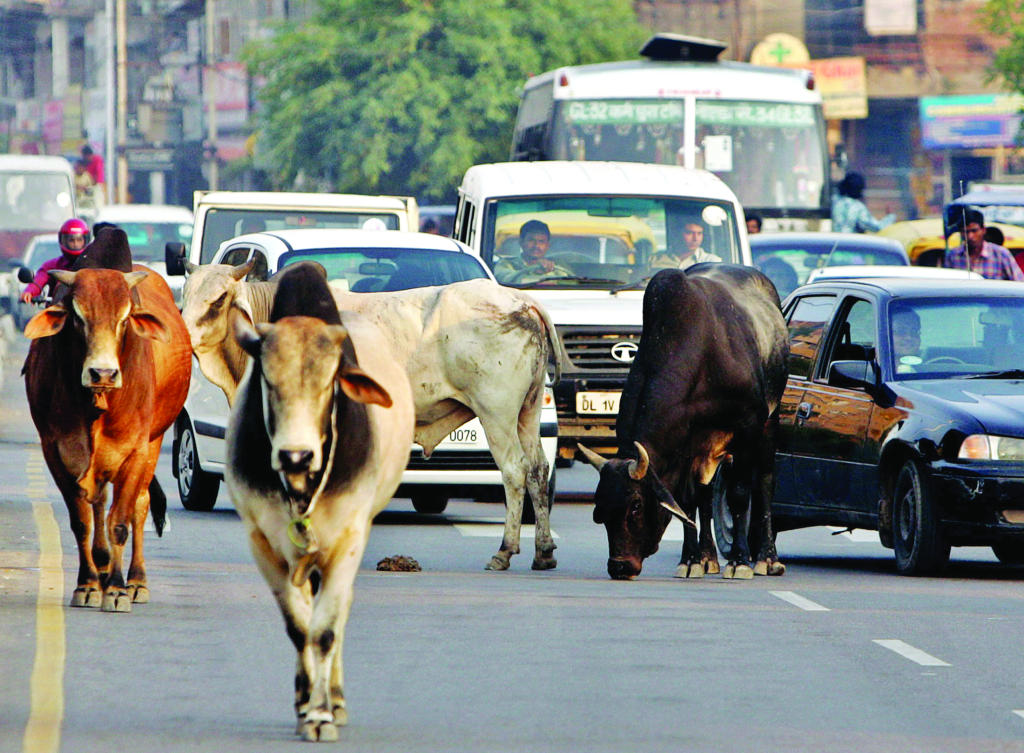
<point x="918" y="435"/>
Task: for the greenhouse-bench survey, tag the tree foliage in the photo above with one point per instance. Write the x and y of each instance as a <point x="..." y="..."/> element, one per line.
<point x="1005" y="18"/>
<point x="401" y="96"/>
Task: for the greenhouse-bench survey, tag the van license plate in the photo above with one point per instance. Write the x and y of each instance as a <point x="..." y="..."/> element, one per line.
<point x="598" y="403"/>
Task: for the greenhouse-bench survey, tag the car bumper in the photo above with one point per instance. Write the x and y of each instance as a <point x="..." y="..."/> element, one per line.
<point x="980" y="504"/>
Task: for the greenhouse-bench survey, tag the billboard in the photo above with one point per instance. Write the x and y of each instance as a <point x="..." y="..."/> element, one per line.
<point x="971" y="121"/>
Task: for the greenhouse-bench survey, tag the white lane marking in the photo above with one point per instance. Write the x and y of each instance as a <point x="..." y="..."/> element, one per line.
<point x="909" y="652"/>
<point x="799" y="601"/>
<point x="857" y="535"/>
<point x="477" y="530"/>
<point x="1019" y="712"/>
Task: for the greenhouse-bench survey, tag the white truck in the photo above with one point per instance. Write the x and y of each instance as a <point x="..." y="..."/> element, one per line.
<point x="607" y="222"/>
<point x="221" y="215"/>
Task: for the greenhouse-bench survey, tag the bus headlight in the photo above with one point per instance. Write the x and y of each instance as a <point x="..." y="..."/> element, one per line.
<point x="989" y="447"/>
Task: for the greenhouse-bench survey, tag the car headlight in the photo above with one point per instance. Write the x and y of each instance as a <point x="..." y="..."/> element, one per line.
<point x="988" y="447"/>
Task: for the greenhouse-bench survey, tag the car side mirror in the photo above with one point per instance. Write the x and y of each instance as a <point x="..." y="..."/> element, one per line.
<point x="852" y="374"/>
<point x="174" y="257"/>
<point x="25" y="275"/>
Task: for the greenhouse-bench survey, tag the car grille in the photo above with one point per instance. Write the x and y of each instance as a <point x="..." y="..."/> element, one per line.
<point x="591" y="347"/>
<point x="472" y="460"/>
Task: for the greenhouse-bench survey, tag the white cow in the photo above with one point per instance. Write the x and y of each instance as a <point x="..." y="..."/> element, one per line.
<point x="471" y="348"/>
<point x="318" y="439"/>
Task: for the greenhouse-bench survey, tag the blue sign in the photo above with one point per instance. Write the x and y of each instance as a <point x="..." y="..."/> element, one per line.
<point x="971" y="122"/>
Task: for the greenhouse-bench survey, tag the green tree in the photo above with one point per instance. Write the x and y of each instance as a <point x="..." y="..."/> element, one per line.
<point x="1005" y="18"/>
<point x="401" y="96"/>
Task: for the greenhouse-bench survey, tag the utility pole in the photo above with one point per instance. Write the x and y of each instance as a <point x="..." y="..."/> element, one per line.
<point x="210" y="82"/>
<point x="110" y="174"/>
<point x="122" y="103"/>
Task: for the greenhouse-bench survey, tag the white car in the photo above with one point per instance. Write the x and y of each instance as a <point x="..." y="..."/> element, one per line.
<point x="363" y="261"/>
<point x="149" y="228"/>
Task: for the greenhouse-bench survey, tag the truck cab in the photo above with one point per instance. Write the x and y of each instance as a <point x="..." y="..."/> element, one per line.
<point x="611" y="226"/>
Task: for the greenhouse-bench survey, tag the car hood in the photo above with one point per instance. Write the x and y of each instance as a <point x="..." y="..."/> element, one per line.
<point x="996" y="404"/>
<point x="599" y="307"/>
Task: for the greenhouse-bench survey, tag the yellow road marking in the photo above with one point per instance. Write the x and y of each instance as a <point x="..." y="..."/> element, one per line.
<point x="42" y="733"/>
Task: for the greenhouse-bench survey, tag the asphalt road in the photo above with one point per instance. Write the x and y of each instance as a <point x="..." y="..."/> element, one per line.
<point x="838" y="655"/>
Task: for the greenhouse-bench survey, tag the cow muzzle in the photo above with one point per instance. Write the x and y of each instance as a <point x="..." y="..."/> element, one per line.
<point x="100" y="378"/>
<point x="624" y="568"/>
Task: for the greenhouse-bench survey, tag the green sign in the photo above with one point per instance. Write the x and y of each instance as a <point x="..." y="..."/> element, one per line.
<point x="615" y="112"/>
<point x="763" y="114"/>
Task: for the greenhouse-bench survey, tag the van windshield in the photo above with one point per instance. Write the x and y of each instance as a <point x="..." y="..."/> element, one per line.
<point x="34" y="200"/>
<point x="603" y="241"/>
<point x="224" y="224"/>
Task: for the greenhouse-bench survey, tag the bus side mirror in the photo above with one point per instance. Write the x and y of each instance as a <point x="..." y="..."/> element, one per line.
<point x="174" y="257"/>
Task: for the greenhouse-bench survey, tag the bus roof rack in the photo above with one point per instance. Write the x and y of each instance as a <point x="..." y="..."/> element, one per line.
<point x="666" y="46"/>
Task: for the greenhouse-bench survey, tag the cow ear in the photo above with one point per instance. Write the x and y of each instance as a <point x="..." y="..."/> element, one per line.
<point x="246" y="336"/>
<point x="144" y="324"/>
<point x="47" y="322"/>
<point x="361" y="387"/>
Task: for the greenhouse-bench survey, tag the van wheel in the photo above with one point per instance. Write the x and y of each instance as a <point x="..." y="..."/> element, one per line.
<point x="429" y="503"/>
<point x="196" y="487"/>
<point x="921" y="548"/>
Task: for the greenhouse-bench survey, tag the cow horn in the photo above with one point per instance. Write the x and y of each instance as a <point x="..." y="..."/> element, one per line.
<point x="592" y="457"/>
<point x="638" y="469"/>
<point x="134" y="278"/>
<point x="190" y="267"/>
<point x="242" y="270"/>
<point x="65" y="276"/>
<point x="673" y="507"/>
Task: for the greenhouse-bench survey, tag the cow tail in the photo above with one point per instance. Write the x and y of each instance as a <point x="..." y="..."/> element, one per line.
<point x="554" y="344"/>
<point x="157" y="506"/>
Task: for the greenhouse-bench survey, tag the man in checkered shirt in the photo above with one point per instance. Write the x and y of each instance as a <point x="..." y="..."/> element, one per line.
<point x="978" y="255"/>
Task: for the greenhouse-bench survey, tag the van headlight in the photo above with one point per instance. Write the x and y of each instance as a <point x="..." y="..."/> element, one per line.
<point x="990" y="447"/>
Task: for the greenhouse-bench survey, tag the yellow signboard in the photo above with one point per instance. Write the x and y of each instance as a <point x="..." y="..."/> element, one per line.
<point x="843" y="86"/>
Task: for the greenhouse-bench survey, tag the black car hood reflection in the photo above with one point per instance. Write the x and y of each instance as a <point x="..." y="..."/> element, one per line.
<point x="997" y="404"/>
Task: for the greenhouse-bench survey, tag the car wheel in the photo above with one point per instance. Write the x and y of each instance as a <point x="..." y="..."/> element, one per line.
<point x="1009" y="552"/>
<point x="196" y="487"/>
<point x="918" y="540"/>
<point x="721" y="518"/>
<point x="429" y="503"/>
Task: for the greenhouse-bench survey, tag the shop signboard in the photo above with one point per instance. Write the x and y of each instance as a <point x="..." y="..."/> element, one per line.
<point x="971" y="121"/>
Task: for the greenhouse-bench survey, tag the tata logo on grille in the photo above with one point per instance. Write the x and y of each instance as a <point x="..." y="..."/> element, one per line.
<point x="624" y="352"/>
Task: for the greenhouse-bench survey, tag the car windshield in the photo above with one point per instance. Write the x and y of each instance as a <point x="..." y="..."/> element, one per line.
<point x="789" y="264"/>
<point x="966" y="337"/>
<point x="603" y="241"/>
<point x="368" y="270"/>
<point x="146" y="239"/>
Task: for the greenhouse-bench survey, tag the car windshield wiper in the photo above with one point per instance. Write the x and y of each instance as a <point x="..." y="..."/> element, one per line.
<point x="1007" y="374"/>
<point x="574" y="278"/>
<point x="635" y="284"/>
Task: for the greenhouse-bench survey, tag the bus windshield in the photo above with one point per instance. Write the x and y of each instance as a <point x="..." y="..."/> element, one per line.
<point x="603" y="241"/>
<point x="769" y="153"/>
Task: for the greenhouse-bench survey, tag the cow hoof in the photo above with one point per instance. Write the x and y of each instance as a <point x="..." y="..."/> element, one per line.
<point x="696" y="570"/>
<point x="776" y="568"/>
<point x="544" y="563"/>
<point x="340" y="716"/>
<point x="738" y="572"/>
<point x="711" y="567"/>
<point x="139" y="594"/>
<point x="86" y="597"/>
<point x="117" y="601"/>
<point x="500" y="561"/>
<point x="681" y="571"/>
<point x="314" y="731"/>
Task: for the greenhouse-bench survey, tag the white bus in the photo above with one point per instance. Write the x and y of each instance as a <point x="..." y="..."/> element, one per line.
<point x="757" y="128"/>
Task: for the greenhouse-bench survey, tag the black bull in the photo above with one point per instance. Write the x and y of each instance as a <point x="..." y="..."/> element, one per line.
<point x="702" y="396"/>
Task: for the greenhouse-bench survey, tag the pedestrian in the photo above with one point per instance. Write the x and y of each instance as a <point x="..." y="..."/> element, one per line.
<point x="94" y="166"/>
<point x="980" y="255"/>
<point x="849" y="212"/>
<point x="73" y="237"/>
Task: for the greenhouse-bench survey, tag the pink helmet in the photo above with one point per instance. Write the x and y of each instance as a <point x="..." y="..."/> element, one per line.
<point x="71" y="228"/>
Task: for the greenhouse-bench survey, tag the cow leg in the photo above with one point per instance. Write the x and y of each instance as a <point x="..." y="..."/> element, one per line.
<point x="536" y="483"/>
<point x="137" y="587"/>
<point x="129" y="485"/>
<point x="762" y="535"/>
<point x="708" y="550"/>
<point x="509" y="456"/>
<point x="738" y="563"/>
<point x="327" y="636"/>
<point x="87" y="591"/>
<point x="692" y="563"/>
<point x="296" y="605"/>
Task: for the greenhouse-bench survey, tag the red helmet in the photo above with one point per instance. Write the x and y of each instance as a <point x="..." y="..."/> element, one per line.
<point x="73" y="228"/>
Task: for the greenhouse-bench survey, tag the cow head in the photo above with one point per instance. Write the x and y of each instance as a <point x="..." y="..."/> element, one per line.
<point x="208" y="295"/>
<point x="635" y="508"/>
<point x="307" y="370"/>
<point x="101" y="308"/>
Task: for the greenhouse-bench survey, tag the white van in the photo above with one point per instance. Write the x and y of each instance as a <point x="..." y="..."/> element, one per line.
<point x="612" y="225"/>
<point x="37" y="194"/>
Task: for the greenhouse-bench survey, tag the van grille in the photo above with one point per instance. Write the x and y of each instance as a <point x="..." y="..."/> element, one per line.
<point x="470" y="460"/>
<point x="591" y="348"/>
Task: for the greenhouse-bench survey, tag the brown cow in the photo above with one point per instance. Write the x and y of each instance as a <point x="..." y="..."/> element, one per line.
<point x="107" y="373"/>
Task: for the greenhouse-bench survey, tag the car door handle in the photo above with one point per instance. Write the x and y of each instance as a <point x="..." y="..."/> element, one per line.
<point x="803" y="411"/>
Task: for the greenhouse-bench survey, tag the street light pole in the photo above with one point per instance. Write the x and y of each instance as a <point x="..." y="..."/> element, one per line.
<point x="108" y="131"/>
<point x="210" y="84"/>
<point x="122" y="103"/>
